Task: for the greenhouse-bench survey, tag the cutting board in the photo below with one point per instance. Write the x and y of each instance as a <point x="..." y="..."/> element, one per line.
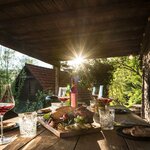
<point x="62" y="134"/>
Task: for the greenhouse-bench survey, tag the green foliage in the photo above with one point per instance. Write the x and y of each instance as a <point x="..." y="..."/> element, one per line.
<point x="11" y="64"/>
<point x="30" y="106"/>
<point x="9" y="69"/>
<point x="17" y="89"/>
<point x="40" y="99"/>
<point x="39" y="103"/>
<point x="121" y="77"/>
<point x="101" y="72"/>
<point x="126" y="86"/>
<point x="95" y="73"/>
<point x="6" y="67"/>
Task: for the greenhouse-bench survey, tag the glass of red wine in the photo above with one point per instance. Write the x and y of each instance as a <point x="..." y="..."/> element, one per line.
<point x="62" y="95"/>
<point x="6" y="103"/>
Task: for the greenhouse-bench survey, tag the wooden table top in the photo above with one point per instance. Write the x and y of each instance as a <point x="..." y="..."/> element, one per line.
<point x="102" y="140"/>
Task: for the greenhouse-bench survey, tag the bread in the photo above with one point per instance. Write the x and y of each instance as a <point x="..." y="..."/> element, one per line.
<point x="137" y="131"/>
<point x="82" y="111"/>
<point x="8" y="125"/>
<point x="45" y="110"/>
<point x="61" y="111"/>
<point x="127" y="130"/>
<point x="140" y="131"/>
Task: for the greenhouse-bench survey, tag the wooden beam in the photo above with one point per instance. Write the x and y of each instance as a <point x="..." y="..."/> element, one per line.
<point x="125" y="26"/>
<point x="86" y="43"/>
<point x="48" y="54"/>
<point x="101" y="38"/>
<point x="104" y="13"/>
<point x="7" y="41"/>
<point x="104" y="28"/>
<point x="5" y="3"/>
<point x="119" y="53"/>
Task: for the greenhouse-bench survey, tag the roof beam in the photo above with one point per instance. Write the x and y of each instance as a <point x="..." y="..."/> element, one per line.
<point x="8" y="41"/>
<point x="116" y="11"/>
<point x="74" y="31"/>
<point x="6" y="2"/>
<point x="99" y="53"/>
<point x="101" y="37"/>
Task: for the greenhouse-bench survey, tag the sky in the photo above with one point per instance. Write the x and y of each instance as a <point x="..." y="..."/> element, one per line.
<point x="75" y="63"/>
<point x="20" y="56"/>
<point x="39" y="63"/>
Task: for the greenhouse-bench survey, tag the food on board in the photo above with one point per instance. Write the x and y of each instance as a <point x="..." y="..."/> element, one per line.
<point x="67" y="118"/>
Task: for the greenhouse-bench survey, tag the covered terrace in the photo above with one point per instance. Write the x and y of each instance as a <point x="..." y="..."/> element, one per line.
<point x="57" y="30"/>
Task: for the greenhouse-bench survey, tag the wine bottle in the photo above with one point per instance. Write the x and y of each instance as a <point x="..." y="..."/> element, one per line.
<point x="68" y="102"/>
<point x="74" y="95"/>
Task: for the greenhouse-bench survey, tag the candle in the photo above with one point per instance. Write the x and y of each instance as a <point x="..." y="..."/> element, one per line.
<point x="100" y="94"/>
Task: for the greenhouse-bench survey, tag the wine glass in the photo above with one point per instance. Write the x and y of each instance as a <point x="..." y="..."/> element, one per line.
<point x="6" y="103"/>
<point x="95" y="92"/>
<point x="100" y="93"/>
<point x="62" y="95"/>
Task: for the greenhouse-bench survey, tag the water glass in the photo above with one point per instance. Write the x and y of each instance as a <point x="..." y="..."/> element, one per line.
<point x="28" y="124"/>
<point x="106" y="117"/>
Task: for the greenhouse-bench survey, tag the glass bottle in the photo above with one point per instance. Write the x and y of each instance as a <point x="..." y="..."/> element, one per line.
<point x="68" y="102"/>
<point x="74" y="94"/>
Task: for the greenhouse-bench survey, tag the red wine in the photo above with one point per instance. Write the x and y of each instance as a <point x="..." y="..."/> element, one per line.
<point x="4" y="107"/>
<point x="63" y="98"/>
<point x="105" y="100"/>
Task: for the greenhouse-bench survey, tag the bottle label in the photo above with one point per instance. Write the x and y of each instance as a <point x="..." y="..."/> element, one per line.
<point x="74" y="100"/>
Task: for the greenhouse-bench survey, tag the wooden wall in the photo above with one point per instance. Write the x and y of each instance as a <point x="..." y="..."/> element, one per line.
<point x="84" y="95"/>
<point x="30" y="87"/>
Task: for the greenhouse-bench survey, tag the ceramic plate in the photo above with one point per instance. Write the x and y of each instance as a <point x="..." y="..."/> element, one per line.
<point x="120" y="132"/>
<point x="15" y="126"/>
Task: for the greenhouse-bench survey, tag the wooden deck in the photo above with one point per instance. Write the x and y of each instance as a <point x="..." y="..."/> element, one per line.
<point x="104" y="140"/>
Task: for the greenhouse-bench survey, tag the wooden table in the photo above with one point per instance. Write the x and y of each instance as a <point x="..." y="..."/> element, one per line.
<point x="104" y="140"/>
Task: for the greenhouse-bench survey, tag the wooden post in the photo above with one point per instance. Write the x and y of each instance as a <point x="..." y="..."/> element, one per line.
<point x="143" y="93"/>
<point x="57" y="70"/>
<point x="146" y="68"/>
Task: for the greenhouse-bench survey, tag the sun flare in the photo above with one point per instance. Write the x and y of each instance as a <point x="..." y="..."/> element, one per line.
<point x="77" y="61"/>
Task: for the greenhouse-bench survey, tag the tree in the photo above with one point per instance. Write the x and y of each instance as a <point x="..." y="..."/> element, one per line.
<point x="7" y="70"/>
<point x="94" y="73"/>
<point x="11" y="64"/>
<point x="121" y="76"/>
<point x="126" y="86"/>
<point x="17" y="87"/>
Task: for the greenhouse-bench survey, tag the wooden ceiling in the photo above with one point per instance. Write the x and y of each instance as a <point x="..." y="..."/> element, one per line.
<point x="54" y="30"/>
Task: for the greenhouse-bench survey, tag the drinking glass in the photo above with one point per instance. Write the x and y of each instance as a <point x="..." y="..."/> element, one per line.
<point x="6" y="103"/>
<point x="95" y="92"/>
<point x="28" y="124"/>
<point x="62" y="95"/>
<point x="106" y="117"/>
